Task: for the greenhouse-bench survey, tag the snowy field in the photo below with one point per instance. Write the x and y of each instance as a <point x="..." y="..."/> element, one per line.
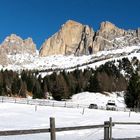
<point x="81" y="100"/>
<point x="21" y="116"/>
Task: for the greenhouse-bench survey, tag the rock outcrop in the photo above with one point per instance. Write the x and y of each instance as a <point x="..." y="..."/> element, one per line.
<point x="105" y="35"/>
<point x="73" y="38"/>
<point x="13" y="44"/>
<point x="110" y="37"/>
<point x="78" y="39"/>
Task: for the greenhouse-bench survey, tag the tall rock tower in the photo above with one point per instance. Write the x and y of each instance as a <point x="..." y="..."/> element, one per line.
<point x="72" y="38"/>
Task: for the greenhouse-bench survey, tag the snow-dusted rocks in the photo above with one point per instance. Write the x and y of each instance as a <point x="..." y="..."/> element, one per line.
<point x="105" y="35"/>
<point x="14" y="44"/>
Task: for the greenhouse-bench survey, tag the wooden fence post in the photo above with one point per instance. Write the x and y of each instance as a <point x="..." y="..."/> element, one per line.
<point x="83" y="111"/>
<point x="52" y="129"/>
<point x="106" y="131"/>
<point x="110" y="123"/>
<point x="2" y="100"/>
<point x="35" y="108"/>
<point x="27" y="101"/>
<point x="65" y="104"/>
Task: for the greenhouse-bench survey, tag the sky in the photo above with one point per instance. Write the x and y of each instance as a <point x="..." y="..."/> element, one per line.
<point x="39" y="19"/>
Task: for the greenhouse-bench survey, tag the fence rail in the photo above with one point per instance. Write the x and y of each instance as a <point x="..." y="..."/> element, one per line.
<point x="23" y="132"/>
<point x="127" y="123"/>
<point x="107" y="126"/>
<point x="53" y="130"/>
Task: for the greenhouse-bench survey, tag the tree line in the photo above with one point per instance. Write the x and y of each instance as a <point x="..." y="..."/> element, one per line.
<point x="119" y="75"/>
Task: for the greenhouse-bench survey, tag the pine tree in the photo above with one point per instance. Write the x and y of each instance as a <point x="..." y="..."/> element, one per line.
<point x="23" y="89"/>
<point x="37" y="91"/>
<point x="16" y="85"/>
<point x="60" y="89"/>
<point x="94" y="84"/>
<point x="132" y="97"/>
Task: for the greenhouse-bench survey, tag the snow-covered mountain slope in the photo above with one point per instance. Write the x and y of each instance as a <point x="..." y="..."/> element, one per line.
<point x="60" y="62"/>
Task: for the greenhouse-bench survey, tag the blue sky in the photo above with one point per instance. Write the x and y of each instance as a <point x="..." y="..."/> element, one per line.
<point x="40" y="19"/>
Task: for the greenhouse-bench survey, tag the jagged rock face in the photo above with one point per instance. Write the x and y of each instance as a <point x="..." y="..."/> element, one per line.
<point x="105" y="35"/>
<point x="109" y="36"/>
<point x="13" y="44"/>
<point x="110" y="31"/>
<point x="78" y="39"/>
<point x="73" y="38"/>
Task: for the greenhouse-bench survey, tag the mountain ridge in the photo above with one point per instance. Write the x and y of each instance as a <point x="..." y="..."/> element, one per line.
<point x="106" y="32"/>
<point x="72" y="40"/>
<point x="86" y="40"/>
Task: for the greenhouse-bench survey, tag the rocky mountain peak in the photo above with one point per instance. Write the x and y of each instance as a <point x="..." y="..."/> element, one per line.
<point x="14" y="44"/>
<point x="13" y="37"/>
<point x="110" y="36"/>
<point x="107" y="26"/>
<point x="72" y="23"/>
<point x="72" y="38"/>
<point x="76" y="38"/>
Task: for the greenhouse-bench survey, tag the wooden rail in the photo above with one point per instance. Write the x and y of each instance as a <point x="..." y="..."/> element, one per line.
<point x="23" y="132"/>
<point x="53" y="130"/>
<point x="80" y="127"/>
<point x="127" y="123"/>
<point x="34" y="131"/>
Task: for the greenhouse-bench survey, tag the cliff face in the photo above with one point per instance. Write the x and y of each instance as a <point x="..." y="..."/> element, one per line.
<point x="78" y="39"/>
<point x="73" y="38"/>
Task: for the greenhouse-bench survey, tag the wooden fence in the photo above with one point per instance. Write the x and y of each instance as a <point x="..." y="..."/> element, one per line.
<point x="107" y="126"/>
<point x="52" y="130"/>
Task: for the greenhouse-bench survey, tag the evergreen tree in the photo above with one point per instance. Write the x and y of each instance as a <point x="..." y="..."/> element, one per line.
<point x="30" y="83"/>
<point x="132" y="97"/>
<point x="94" y="84"/>
<point x="60" y="89"/>
<point x="23" y="89"/>
<point x="37" y="91"/>
<point x="16" y="86"/>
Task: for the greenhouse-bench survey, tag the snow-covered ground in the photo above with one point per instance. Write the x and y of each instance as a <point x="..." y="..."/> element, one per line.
<point x="99" y="99"/>
<point x="22" y="116"/>
<point x="81" y="100"/>
<point x="28" y="61"/>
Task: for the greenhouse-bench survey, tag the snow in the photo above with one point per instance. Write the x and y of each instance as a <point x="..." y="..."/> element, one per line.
<point x="99" y="99"/>
<point x="22" y="116"/>
<point x="71" y="62"/>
